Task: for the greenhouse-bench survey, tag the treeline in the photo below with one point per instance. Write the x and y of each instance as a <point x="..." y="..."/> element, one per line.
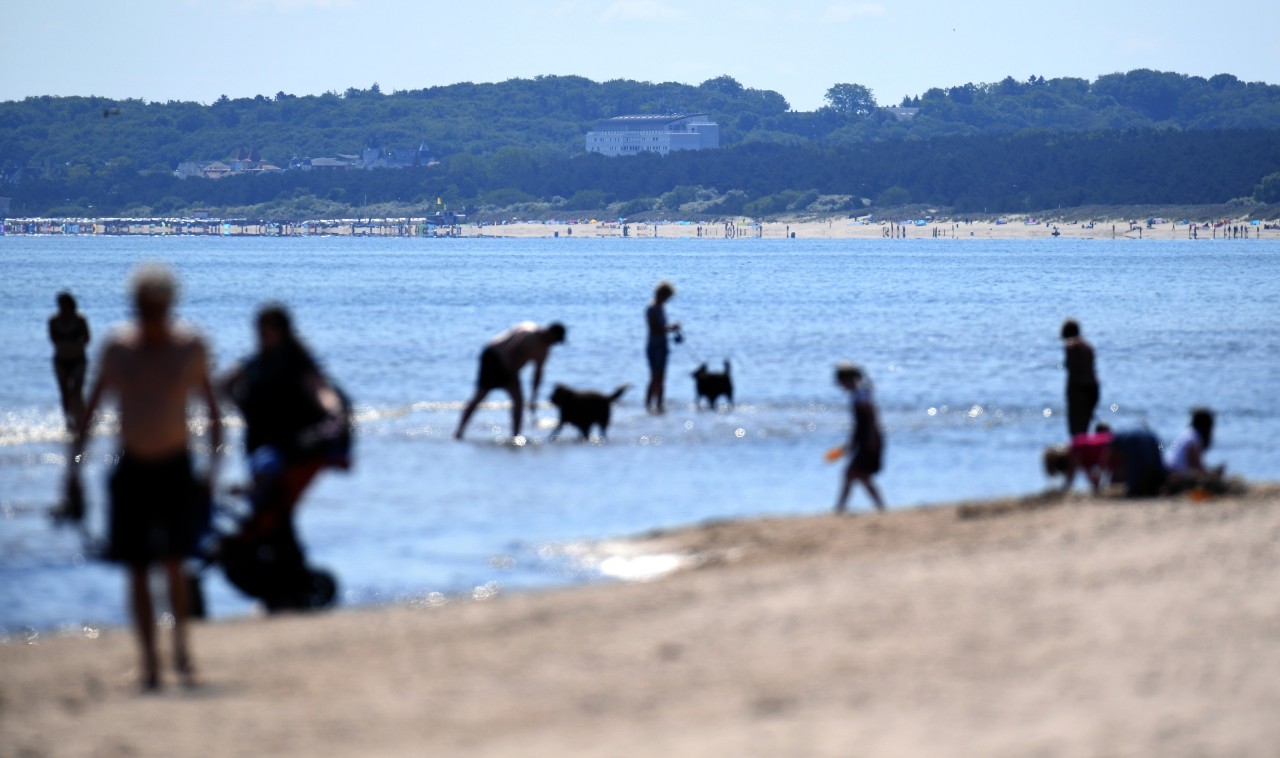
<point x="549" y="117"/>
<point x="995" y="173"/>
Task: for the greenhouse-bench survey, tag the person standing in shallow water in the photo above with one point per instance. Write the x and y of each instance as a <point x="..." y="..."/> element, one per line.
<point x="152" y="366"/>
<point x="656" y="348"/>
<point x="866" y="443"/>
<point x="69" y="333"/>
<point x="1082" y="382"/>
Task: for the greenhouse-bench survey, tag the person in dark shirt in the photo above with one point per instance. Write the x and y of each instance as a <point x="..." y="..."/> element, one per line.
<point x="69" y="333"/>
<point x="866" y="443"/>
<point x="1082" y="382"/>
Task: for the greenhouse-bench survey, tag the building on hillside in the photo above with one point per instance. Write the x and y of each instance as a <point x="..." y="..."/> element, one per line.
<point x="377" y="157"/>
<point x="903" y="114"/>
<point x="630" y="135"/>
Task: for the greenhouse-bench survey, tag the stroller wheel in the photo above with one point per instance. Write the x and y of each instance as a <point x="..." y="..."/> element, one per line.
<point x="323" y="589"/>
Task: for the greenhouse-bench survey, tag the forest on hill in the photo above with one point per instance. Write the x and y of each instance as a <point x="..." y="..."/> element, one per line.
<point x="1137" y="137"/>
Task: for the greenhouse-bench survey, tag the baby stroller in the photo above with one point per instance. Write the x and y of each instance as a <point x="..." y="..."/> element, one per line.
<point x="263" y="559"/>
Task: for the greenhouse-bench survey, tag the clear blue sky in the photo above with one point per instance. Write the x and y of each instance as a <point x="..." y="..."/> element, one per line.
<point x="200" y="49"/>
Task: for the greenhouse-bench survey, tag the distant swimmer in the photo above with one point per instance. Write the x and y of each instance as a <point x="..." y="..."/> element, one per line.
<point x="1082" y="382"/>
<point x="500" y="365"/>
<point x="866" y="442"/>
<point x="69" y="333"/>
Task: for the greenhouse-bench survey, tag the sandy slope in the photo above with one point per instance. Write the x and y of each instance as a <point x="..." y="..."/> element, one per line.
<point x="1035" y="628"/>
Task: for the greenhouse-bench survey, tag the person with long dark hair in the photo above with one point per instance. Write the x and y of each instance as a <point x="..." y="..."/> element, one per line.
<point x="296" y="421"/>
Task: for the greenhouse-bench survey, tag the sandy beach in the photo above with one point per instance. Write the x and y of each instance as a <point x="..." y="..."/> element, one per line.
<point x="1015" y="228"/>
<point x="1040" y="626"/>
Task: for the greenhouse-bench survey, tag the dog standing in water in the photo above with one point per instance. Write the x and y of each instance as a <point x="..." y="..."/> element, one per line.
<point x="584" y="409"/>
<point x="712" y="385"/>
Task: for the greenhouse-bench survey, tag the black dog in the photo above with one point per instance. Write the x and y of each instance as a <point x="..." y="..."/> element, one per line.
<point x="712" y="386"/>
<point x="584" y="409"/>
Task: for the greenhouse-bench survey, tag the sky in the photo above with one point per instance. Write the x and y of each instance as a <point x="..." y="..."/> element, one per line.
<point x="160" y="50"/>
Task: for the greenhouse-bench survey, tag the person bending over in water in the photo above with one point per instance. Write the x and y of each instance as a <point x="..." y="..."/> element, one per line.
<point x="296" y="422"/>
<point x="656" y="348"/>
<point x="500" y="365"/>
<point x="69" y="333"/>
<point x="1082" y="382"/>
<point x="866" y="444"/>
<point x="152" y="367"/>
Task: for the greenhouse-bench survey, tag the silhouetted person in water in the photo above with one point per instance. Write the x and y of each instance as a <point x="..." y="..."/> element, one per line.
<point x="1082" y="382"/>
<point x="866" y="443"/>
<point x="500" y="365"/>
<point x="656" y="348"/>
<point x="69" y="333"/>
<point x="152" y="366"/>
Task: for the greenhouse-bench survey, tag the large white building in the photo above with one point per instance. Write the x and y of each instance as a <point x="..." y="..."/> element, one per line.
<point x="629" y="135"/>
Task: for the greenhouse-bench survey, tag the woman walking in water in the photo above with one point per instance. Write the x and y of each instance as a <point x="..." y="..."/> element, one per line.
<point x="69" y="333"/>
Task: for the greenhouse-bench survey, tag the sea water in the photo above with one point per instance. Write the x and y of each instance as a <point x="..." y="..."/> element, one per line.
<point x="959" y="336"/>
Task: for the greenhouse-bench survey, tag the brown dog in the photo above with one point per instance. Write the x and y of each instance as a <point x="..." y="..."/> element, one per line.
<point x="584" y="409"/>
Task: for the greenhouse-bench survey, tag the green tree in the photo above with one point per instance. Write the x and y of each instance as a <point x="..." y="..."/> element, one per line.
<point x="851" y="99"/>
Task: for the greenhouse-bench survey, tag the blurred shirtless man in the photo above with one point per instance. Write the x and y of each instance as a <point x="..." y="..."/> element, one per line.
<point x="152" y="366"/>
<point x="500" y="365"/>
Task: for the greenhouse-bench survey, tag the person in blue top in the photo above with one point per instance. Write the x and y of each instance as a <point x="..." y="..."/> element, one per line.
<point x="656" y="348"/>
<point x="866" y="443"/>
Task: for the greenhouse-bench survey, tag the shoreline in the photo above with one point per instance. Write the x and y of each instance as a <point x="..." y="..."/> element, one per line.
<point x="1003" y="627"/>
<point x="1010" y="227"/>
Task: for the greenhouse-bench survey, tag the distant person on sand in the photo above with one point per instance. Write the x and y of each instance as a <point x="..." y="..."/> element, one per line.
<point x="656" y="348"/>
<point x="69" y="333"/>
<point x="500" y="365"/>
<point x="1082" y="382"/>
<point x="152" y="366"/>
<point x="1184" y="459"/>
<point x="866" y="443"/>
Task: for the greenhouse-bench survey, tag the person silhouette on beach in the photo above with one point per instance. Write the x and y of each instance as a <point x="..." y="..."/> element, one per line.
<point x="500" y="364"/>
<point x="866" y="443"/>
<point x="1082" y="382"/>
<point x="69" y="333"/>
<point x="656" y="348"/>
<point x="152" y="366"/>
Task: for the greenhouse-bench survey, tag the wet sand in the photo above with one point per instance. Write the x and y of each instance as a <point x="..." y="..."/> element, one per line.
<point x="1029" y="627"/>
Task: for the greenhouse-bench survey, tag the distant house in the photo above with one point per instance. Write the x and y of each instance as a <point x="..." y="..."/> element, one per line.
<point x="631" y="135"/>
<point x="903" y="114"/>
<point x="377" y="157"/>
<point x="215" y="170"/>
<point x="327" y="164"/>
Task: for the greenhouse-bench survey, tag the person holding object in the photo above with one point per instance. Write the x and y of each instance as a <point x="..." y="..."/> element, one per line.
<point x="866" y="443"/>
<point x="500" y="364"/>
<point x="152" y="366"/>
<point x="656" y="348"/>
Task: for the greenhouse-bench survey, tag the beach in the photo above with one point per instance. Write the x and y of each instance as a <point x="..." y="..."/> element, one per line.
<point x="844" y="228"/>
<point x="1034" y="626"/>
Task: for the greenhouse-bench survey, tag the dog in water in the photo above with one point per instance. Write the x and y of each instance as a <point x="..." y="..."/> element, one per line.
<point x="712" y="385"/>
<point x="584" y="409"/>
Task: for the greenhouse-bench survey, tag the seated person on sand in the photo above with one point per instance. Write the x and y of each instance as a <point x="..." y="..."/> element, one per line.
<point x="1184" y="458"/>
<point x="1090" y="453"/>
<point x="500" y="365"/>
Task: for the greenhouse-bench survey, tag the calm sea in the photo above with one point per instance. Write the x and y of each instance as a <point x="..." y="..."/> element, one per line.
<point x="959" y="336"/>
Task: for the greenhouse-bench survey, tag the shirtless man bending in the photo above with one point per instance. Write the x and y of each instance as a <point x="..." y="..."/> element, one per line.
<point x="500" y="365"/>
<point x="152" y="366"/>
